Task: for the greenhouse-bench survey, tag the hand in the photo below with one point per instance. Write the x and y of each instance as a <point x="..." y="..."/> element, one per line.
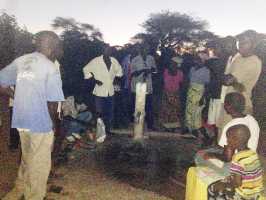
<point x="207" y="156"/>
<point x="201" y="102"/>
<point x="228" y="153"/>
<point x="219" y="187"/>
<point x="239" y="87"/>
<point x="229" y="80"/>
<point x="100" y="83"/>
<point x="201" y="153"/>
<point x="145" y="74"/>
<point x="116" y="81"/>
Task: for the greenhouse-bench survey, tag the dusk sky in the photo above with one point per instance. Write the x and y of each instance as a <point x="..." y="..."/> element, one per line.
<point x="119" y="20"/>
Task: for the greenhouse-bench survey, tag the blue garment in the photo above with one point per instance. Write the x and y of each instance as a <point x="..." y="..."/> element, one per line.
<point x="37" y="82"/>
<point x="200" y="76"/>
<point x="73" y="126"/>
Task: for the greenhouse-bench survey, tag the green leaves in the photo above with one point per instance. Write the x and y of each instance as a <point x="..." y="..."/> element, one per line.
<point x="14" y="41"/>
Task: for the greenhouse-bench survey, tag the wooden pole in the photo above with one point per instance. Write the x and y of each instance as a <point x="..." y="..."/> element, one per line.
<point x="141" y="89"/>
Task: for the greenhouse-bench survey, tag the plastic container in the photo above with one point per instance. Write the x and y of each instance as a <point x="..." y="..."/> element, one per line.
<point x="100" y="131"/>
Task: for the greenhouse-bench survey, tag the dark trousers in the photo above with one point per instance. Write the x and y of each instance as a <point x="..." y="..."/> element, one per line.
<point x="119" y="114"/>
<point x="13" y="135"/>
<point x="148" y="109"/>
<point x="104" y="109"/>
<point x="122" y="108"/>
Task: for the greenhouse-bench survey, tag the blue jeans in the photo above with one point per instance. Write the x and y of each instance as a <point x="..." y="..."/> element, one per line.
<point x="105" y="109"/>
<point x="72" y="126"/>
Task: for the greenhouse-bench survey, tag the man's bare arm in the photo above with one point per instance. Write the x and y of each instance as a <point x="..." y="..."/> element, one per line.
<point x="52" y="107"/>
<point x="7" y="91"/>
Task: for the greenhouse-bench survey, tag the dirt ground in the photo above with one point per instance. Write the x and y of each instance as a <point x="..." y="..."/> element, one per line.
<point x="82" y="179"/>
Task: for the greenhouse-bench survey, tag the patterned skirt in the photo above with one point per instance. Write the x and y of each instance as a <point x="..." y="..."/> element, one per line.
<point x="170" y="110"/>
<point x="193" y="109"/>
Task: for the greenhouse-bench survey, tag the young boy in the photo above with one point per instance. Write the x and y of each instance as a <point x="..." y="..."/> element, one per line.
<point x="76" y="118"/>
<point x="246" y="179"/>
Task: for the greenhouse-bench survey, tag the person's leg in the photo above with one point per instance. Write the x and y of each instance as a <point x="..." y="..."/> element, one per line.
<point x="121" y="116"/>
<point x="116" y="121"/>
<point x="109" y="112"/>
<point x="66" y="126"/>
<point x="38" y="164"/>
<point x="99" y="106"/>
<point x="74" y="127"/>
<point x="213" y="194"/>
<point x="126" y="106"/>
<point x="84" y="116"/>
<point x="104" y="109"/>
<point x="133" y="106"/>
<point x="149" y="111"/>
<point x="20" y="183"/>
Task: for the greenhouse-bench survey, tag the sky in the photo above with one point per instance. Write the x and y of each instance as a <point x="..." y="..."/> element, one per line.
<point x="119" y="20"/>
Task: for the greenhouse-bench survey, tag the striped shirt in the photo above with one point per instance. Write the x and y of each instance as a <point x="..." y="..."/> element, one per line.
<point x="247" y="164"/>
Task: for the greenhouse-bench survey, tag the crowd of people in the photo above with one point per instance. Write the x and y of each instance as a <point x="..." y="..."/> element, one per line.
<point x="208" y="94"/>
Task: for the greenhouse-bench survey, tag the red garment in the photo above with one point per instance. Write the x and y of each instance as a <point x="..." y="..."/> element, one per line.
<point x="172" y="82"/>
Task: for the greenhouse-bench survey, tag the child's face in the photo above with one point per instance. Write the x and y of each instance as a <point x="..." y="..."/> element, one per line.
<point x="232" y="140"/>
<point x="227" y="107"/>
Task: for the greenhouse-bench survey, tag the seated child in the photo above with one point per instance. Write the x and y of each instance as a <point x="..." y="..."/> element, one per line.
<point x="246" y="179"/>
<point x="76" y="118"/>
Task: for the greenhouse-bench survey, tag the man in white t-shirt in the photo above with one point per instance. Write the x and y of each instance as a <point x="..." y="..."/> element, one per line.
<point x="38" y="89"/>
<point x="234" y="105"/>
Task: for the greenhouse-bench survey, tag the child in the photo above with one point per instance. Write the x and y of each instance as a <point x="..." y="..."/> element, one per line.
<point x="246" y="179"/>
<point x="76" y="119"/>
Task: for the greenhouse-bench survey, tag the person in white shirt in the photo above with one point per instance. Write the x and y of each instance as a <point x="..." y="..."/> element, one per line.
<point x="106" y="71"/>
<point x="38" y="89"/>
<point x="242" y="74"/>
<point x="142" y="67"/>
<point x="234" y="105"/>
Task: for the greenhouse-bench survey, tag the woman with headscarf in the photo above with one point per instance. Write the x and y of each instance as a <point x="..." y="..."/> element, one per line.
<point x="199" y="78"/>
<point x="242" y="74"/>
<point x="170" y="109"/>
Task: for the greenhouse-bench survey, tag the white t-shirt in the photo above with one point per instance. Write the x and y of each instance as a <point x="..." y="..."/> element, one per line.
<point x="253" y="126"/>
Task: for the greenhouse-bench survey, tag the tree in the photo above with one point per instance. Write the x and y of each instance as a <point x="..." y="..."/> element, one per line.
<point x="81" y="43"/>
<point x="8" y="26"/>
<point x="172" y="29"/>
<point x="70" y="24"/>
<point x="14" y="41"/>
